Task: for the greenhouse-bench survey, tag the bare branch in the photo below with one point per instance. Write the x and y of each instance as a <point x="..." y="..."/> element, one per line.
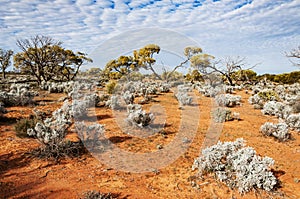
<point x="295" y="53"/>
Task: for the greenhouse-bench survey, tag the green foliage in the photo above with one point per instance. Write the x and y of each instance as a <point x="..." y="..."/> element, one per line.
<point x="191" y="51"/>
<point x="285" y="78"/>
<point x="201" y="61"/>
<point x="110" y="87"/>
<point x="244" y="75"/>
<point x="125" y="65"/>
<point x="267" y="95"/>
<point x="195" y="75"/>
<point x="288" y="78"/>
<point x="45" y="59"/>
<point x="5" y="56"/>
<point x="23" y="124"/>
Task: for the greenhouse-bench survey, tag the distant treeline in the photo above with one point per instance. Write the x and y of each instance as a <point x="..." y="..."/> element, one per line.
<point x="285" y="78"/>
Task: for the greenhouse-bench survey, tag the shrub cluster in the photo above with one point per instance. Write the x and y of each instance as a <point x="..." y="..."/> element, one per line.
<point x="293" y="121"/>
<point x="228" y="100"/>
<point x="89" y="132"/>
<point x="19" y="94"/>
<point x="97" y="195"/>
<point x="182" y="95"/>
<point x="51" y="132"/>
<point x="280" y="131"/>
<point x="114" y="102"/>
<point x="57" y="87"/>
<point x="137" y="116"/>
<point x="220" y="115"/>
<point x="277" y="109"/>
<point x="237" y="166"/>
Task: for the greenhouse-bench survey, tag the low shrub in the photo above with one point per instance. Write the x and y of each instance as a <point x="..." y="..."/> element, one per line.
<point x="237" y="166"/>
<point x="137" y="116"/>
<point x="89" y="133"/>
<point x="268" y="95"/>
<point x="128" y="97"/>
<point x="182" y="95"/>
<point x="280" y="131"/>
<point x="277" y="109"/>
<point x="228" y="100"/>
<point x="293" y="121"/>
<point x="59" y="150"/>
<point x="97" y="195"/>
<point x="51" y="133"/>
<point x="23" y="124"/>
<point x="110" y="87"/>
<point x="114" y="102"/>
<point x="220" y="115"/>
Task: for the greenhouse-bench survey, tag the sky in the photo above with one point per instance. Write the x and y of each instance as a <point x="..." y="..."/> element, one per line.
<point x="259" y="30"/>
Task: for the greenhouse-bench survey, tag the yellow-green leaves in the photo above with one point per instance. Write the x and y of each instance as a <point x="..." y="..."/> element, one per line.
<point x="201" y="60"/>
<point x="47" y="60"/>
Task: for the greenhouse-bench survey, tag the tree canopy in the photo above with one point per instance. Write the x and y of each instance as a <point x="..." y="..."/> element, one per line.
<point x="46" y="59"/>
<point x="5" y="57"/>
<point x="125" y="65"/>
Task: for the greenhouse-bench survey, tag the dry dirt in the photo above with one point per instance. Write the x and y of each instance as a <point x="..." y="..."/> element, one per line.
<point x="22" y="176"/>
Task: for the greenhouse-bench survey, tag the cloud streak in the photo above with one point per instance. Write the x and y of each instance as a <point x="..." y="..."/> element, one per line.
<point x="260" y="30"/>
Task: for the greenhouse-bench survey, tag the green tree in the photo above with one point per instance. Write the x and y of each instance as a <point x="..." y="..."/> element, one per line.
<point x="125" y="65"/>
<point x="189" y="52"/>
<point x="244" y="75"/>
<point x="195" y="75"/>
<point x="46" y="60"/>
<point x="144" y="57"/>
<point x="5" y="57"/>
<point x="121" y="66"/>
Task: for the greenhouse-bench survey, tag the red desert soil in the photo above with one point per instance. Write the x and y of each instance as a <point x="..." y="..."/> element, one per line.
<point x="22" y="176"/>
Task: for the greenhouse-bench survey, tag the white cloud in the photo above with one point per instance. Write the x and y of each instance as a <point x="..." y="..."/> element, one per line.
<point x="259" y="29"/>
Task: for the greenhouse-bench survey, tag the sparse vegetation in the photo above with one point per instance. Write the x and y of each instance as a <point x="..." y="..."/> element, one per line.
<point x="237" y="166"/>
<point x="97" y="195"/>
<point x="23" y="124"/>
<point x="222" y="115"/>
<point x="89" y="104"/>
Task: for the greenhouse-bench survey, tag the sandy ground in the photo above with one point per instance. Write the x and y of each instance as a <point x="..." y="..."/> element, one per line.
<point x="22" y="176"/>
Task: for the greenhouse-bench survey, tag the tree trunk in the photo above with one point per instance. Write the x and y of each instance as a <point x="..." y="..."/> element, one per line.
<point x="229" y="80"/>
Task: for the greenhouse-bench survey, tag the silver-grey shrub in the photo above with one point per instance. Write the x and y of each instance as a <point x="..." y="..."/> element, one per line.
<point x="114" y="102"/>
<point x="228" y="100"/>
<point x="237" y="166"/>
<point x="128" y="97"/>
<point x="137" y="116"/>
<point x="220" y="115"/>
<point x="80" y="108"/>
<point x="277" y="109"/>
<point x="280" y="131"/>
<point x="19" y="94"/>
<point x="164" y="87"/>
<point x="182" y="95"/>
<point x="89" y="132"/>
<point x="53" y="130"/>
<point x="293" y="121"/>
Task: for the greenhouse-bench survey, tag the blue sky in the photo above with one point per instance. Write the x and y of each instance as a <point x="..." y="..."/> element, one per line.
<point x="259" y="30"/>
